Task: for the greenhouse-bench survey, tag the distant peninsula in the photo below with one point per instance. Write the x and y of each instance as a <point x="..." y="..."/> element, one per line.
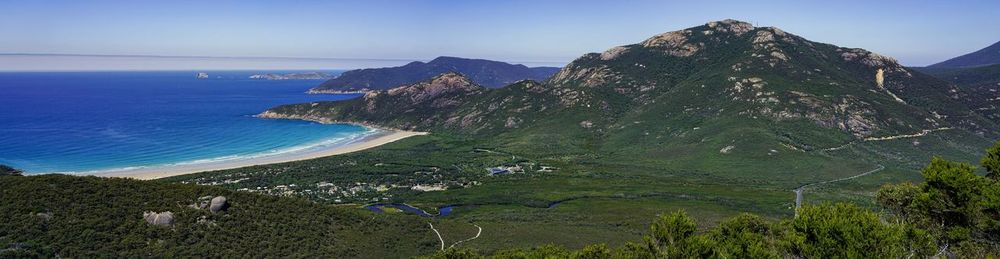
<point x="292" y="76"/>
<point x="487" y="73"/>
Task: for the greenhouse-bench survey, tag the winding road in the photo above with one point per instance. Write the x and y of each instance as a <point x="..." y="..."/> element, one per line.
<point x="438" y="234"/>
<point x="918" y="134"/>
<point x="480" y="232"/>
<point x="469" y="239"/>
<point x="801" y="189"/>
<point x="914" y="135"/>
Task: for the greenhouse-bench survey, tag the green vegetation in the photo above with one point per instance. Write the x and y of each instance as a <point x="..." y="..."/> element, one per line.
<point x="823" y="231"/>
<point x="484" y="72"/>
<point x="707" y="119"/>
<point x="959" y="206"/>
<point x="980" y="84"/>
<point x="6" y="170"/>
<point x="971" y="76"/>
<point x="85" y="217"/>
<point x="718" y="123"/>
<point x="603" y="200"/>
<point x="954" y="212"/>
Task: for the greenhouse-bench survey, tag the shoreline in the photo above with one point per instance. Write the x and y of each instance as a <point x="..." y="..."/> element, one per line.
<point x="149" y="173"/>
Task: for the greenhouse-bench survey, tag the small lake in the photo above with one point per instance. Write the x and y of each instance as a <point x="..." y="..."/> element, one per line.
<point x="442" y="212"/>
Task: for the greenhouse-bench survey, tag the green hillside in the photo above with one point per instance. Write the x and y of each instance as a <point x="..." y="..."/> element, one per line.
<point x="57" y="216"/>
<point x="84" y="217"/>
<point x="717" y="119"/>
<point x="982" y="83"/>
<point x="718" y="98"/>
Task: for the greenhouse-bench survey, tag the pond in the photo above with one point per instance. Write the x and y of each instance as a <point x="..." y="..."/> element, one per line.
<point x="442" y="211"/>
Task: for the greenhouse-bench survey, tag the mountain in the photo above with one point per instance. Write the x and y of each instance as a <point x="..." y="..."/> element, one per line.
<point x="446" y="101"/>
<point x="728" y="74"/>
<point x="986" y="56"/>
<point x="720" y="118"/>
<point x="484" y="72"/>
<point x="982" y="82"/>
<point x="292" y="76"/>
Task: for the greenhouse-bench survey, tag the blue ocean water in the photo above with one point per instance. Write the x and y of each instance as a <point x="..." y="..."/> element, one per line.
<point x="97" y="121"/>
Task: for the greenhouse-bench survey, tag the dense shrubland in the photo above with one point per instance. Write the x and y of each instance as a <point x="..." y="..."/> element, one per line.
<point x="7" y="170"/>
<point x="90" y="217"/>
<point x="955" y="212"/>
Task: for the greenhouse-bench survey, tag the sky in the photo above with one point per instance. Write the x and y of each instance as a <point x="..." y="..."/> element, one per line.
<point x="533" y="32"/>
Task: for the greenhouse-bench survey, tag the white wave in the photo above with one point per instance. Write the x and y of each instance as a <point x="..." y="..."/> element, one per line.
<point x="314" y="146"/>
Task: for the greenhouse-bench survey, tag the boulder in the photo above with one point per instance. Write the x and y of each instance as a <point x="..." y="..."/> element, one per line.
<point x="219" y="204"/>
<point x="165" y="218"/>
<point x="201" y="203"/>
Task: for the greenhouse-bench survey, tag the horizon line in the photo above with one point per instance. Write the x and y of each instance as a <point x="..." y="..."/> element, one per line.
<point x="254" y="57"/>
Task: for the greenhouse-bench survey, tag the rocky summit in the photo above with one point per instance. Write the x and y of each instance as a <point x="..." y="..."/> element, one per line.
<point x="726" y="72"/>
<point x="737" y="70"/>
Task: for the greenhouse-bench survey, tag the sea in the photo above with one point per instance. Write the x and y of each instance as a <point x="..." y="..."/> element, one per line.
<point x="93" y="122"/>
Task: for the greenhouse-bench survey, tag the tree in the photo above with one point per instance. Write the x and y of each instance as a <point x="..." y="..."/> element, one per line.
<point x="847" y="231"/>
<point x="897" y="199"/>
<point x="598" y="251"/>
<point x="671" y="234"/>
<point x="744" y="236"/>
<point x="547" y="251"/>
<point x="992" y="162"/>
<point x="950" y="198"/>
<point x="633" y="250"/>
<point x="990" y="221"/>
<point x="960" y="207"/>
<point x="455" y="253"/>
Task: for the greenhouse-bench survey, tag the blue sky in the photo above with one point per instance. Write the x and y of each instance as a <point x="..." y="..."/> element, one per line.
<point x="915" y="32"/>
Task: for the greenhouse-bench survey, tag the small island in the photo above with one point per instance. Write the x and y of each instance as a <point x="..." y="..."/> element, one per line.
<point x="293" y="76"/>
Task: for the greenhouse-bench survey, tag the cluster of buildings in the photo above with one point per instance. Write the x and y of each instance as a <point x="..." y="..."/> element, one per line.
<point x="518" y="168"/>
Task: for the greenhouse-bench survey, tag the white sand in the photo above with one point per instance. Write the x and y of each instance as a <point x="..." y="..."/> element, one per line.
<point x="167" y="171"/>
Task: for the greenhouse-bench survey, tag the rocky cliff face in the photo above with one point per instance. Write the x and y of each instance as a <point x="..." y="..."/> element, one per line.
<point x="444" y="84"/>
<point x="314" y="117"/>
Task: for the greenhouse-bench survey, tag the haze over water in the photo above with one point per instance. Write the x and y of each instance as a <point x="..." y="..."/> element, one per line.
<point x="64" y="62"/>
<point x="95" y="121"/>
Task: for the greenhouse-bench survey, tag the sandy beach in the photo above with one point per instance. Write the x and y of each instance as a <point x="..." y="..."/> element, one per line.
<point x="173" y="170"/>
